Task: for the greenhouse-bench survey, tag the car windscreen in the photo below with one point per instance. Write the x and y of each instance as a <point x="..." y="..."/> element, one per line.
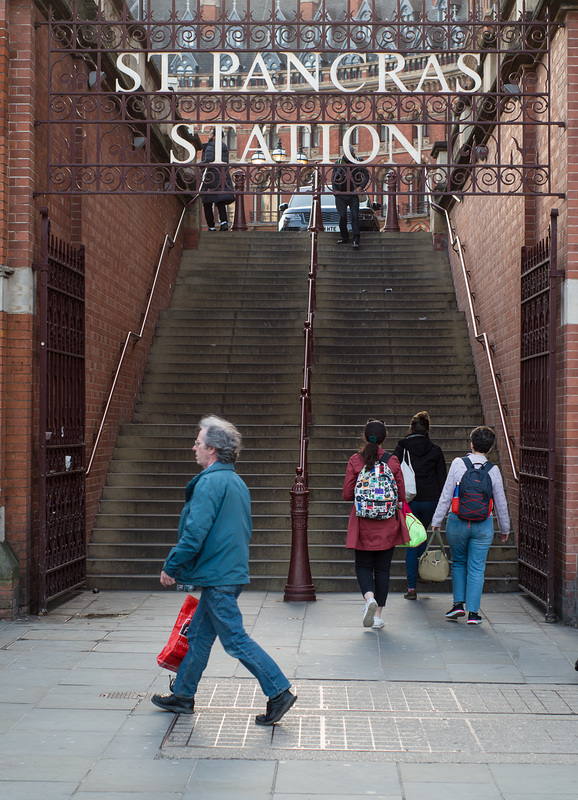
<point x="304" y="201"/>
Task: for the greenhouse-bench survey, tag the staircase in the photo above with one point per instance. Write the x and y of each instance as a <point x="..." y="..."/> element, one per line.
<point x="388" y="342"/>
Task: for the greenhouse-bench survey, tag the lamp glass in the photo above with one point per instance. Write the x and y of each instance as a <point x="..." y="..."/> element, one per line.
<point x="258" y="157"/>
<point x="302" y="157"/>
<point x="279" y="154"/>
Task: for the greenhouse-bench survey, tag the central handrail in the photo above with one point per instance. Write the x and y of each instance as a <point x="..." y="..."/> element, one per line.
<point x="168" y="243"/>
<point x="480" y="336"/>
<point x="299" y="582"/>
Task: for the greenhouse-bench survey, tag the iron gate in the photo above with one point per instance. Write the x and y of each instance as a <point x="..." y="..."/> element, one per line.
<point x="538" y="419"/>
<point x="62" y="534"/>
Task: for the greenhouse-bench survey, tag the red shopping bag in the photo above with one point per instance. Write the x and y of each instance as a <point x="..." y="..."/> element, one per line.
<point x="176" y="648"/>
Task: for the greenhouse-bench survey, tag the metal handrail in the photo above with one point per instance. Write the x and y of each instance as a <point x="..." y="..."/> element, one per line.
<point x="168" y="244"/>
<point x="480" y="336"/>
<point x="299" y="582"/>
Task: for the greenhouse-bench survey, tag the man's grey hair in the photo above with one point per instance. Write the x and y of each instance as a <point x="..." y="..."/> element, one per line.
<point x="223" y="436"/>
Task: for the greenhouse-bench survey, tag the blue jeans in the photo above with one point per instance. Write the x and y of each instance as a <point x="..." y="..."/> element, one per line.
<point x="424" y="511"/>
<point x="218" y="614"/>
<point x="469" y="543"/>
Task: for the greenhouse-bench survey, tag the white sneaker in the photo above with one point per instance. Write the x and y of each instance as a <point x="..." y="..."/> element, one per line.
<point x="378" y="622"/>
<point x="369" y="612"/>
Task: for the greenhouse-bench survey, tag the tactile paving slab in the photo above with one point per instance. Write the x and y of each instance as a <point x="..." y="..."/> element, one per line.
<point x="417" y="722"/>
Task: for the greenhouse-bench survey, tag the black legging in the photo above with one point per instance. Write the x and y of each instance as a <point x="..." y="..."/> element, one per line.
<point x="372" y="569"/>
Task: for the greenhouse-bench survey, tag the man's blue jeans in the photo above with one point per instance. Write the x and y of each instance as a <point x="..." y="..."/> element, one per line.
<point x="218" y="615"/>
<point x="469" y="543"/>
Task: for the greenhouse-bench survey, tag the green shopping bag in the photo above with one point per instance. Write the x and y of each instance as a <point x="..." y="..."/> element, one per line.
<point x="417" y="532"/>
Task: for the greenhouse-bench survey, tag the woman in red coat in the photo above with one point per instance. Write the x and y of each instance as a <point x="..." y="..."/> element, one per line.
<point x="373" y="539"/>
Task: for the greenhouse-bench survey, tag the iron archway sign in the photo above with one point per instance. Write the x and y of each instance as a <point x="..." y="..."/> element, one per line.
<point x="459" y="101"/>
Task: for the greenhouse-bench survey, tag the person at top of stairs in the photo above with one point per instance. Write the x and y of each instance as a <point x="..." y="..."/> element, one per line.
<point x="429" y="466"/>
<point x="349" y="178"/>
<point x="374" y="481"/>
<point x="218" y="181"/>
<point x="213" y="552"/>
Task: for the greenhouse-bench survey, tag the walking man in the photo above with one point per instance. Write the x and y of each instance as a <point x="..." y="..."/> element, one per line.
<point x="348" y="180"/>
<point x="213" y="553"/>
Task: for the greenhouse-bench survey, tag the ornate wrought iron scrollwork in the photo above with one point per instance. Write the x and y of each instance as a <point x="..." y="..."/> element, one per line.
<point x="376" y="68"/>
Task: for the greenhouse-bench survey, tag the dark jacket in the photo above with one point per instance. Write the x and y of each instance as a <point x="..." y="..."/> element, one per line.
<point x="428" y="463"/>
<point x="216" y="179"/>
<point x="349" y="177"/>
<point x="214" y="530"/>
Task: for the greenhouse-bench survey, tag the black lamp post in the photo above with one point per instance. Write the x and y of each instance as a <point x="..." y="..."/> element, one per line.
<point x="258" y="158"/>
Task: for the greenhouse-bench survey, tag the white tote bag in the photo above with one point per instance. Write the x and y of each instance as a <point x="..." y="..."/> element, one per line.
<point x="408" y="477"/>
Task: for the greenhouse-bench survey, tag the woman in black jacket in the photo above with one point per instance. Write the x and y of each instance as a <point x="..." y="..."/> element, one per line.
<point x="429" y="466"/>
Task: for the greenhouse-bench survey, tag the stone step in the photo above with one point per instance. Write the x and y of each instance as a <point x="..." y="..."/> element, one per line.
<point x="407" y="382"/>
<point x="366" y="408"/>
<point x="405" y="392"/>
<point x="277" y="583"/>
<point x="394" y="417"/>
<point x="252" y="432"/>
<point x="224" y="318"/>
<point x="185" y="300"/>
<point x="362" y="342"/>
<point x="239" y="360"/>
<point x="144" y="481"/>
<point x="220" y="316"/>
<point x="326" y="568"/>
<point x="165" y="506"/>
<point x="442" y="325"/>
<point x="435" y="341"/>
<point x="255" y="449"/>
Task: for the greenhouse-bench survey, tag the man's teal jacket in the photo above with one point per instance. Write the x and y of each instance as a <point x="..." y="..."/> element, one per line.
<point x="214" y="530"/>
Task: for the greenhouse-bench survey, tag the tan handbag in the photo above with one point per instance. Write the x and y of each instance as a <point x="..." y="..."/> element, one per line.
<point x="434" y="564"/>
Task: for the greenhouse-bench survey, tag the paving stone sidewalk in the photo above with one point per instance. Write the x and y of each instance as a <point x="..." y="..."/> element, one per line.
<point x="419" y="710"/>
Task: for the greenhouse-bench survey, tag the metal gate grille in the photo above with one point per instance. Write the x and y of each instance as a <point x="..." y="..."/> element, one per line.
<point x="537" y="419"/>
<point x="62" y="539"/>
<point x="130" y="85"/>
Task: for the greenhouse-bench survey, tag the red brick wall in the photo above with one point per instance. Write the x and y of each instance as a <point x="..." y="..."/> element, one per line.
<point x="123" y="238"/>
<point x="493" y="257"/>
